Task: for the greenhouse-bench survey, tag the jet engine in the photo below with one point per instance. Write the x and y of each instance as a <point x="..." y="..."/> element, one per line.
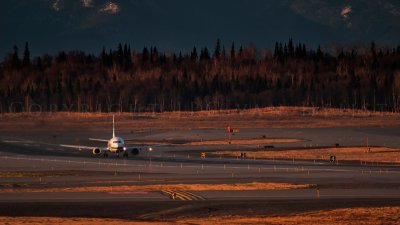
<point x="135" y="151"/>
<point x="96" y="151"/>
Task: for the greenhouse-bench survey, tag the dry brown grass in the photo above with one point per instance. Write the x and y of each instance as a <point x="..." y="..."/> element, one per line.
<point x="261" y="141"/>
<point x="376" y="154"/>
<point x="159" y="187"/>
<point x="377" y="215"/>
<point x="373" y="215"/>
<point x="270" y="117"/>
<point x="70" y="221"/>
<point x="275" y="111"/>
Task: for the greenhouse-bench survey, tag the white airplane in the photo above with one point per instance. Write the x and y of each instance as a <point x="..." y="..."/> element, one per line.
<point x="114" y="145"/>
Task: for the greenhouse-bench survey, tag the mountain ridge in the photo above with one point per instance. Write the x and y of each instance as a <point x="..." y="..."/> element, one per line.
<point x="54" y="25"/>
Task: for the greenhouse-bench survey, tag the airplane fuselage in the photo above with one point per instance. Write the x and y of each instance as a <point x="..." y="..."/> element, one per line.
<point x="116" y="144"/>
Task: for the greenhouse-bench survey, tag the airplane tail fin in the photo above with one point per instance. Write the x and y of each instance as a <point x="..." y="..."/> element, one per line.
<point x="113" y="127"/>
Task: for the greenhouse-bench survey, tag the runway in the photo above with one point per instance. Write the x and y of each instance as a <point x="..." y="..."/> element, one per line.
<point x="143" y="196"/>
<point x="56" y="168"/>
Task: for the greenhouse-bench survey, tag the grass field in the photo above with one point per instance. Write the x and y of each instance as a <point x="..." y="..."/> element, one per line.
<point x="362" y="154"/>
<point x="269" y="117"/>
<point x="256" y="141"/>
<point x="383" y="215"/>
<point x="159" y="187"/>
<point x="372" y="215"/>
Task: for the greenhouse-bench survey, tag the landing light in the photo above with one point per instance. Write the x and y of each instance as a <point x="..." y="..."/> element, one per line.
<point x="150" y="149"/>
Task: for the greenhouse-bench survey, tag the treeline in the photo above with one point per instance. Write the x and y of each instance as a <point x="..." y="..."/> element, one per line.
<point x="219" y="78"/>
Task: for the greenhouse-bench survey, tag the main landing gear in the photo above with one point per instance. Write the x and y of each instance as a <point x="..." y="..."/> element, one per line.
<point x="124" y="154"/>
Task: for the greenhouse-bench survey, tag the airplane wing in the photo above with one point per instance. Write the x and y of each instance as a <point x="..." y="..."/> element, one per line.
<point x="136" y="149"/>
<point x="95" y="150"/>
<point x="81" y="147"/>
<point x="97" y="139"/>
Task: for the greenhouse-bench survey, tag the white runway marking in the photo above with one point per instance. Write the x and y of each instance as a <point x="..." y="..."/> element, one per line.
<point x="11" y="141"/>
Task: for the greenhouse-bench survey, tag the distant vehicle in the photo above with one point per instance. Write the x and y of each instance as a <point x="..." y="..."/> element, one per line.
<point x="114" y="145"/>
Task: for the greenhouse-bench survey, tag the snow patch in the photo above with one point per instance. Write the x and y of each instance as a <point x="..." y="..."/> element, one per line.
<point x="110" y="7"/>
<point x="346" y="11"/>
<point x="87" y="3"/>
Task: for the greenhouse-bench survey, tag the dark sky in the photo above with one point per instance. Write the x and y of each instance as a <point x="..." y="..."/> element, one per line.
<point x="173" y="25"/>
